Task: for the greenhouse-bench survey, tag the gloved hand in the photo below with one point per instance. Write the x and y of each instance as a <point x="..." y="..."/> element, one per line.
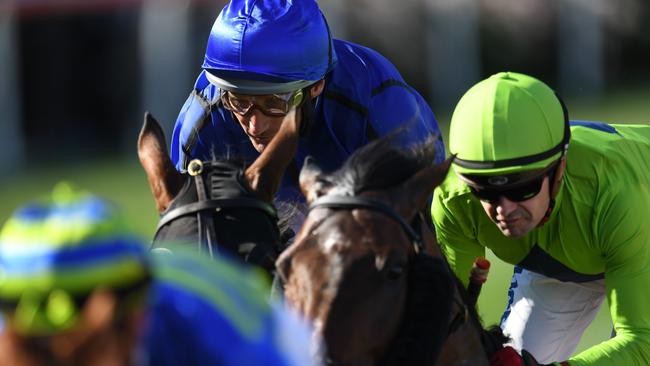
<point x="506" y="356"/>
<point x="529" y="360"/>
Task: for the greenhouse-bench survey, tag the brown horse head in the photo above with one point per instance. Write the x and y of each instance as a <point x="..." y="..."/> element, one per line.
<point x="219" y="201"/>
<point x="352" y="269"/>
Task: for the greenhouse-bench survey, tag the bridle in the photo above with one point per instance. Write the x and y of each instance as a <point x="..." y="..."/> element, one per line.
<point x="206" y="207"/>
<point x="356" y="202"/>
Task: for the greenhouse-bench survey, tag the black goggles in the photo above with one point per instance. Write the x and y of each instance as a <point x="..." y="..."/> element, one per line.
<point x="517" y="192"/>
<point x="272" y="105"/>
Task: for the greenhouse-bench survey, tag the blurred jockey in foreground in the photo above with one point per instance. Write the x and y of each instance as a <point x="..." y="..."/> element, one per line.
<point x="76" y="288"/>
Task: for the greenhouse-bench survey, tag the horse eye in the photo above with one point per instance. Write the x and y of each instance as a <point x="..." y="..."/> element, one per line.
<point x="395" y="272"/>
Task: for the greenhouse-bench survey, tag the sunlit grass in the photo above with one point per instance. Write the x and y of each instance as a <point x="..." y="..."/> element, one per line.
<point x="120" y="180"/>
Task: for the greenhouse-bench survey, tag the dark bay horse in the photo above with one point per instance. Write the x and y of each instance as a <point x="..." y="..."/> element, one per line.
<point x="366" y="271"/>
<point x="219" y="205"/>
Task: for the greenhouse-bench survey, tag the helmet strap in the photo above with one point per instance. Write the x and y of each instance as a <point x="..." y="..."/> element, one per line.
<point x="549" y="210"/>
<point x="555" y="182"/>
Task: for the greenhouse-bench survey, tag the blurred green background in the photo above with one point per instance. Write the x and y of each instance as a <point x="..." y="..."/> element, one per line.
<point x="122" y="180"/>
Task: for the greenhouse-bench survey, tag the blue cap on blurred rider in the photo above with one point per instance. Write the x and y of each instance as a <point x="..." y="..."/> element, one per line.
<point x="55" y="252"/>
<point x="268" y="46"/>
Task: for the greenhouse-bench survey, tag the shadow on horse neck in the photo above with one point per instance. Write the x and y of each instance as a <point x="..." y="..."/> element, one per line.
<point x="219" y="205"/>
<point x="365" y="268"/>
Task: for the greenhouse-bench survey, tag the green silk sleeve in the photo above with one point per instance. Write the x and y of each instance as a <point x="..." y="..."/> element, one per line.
<point x="454" y="234"/>
<point x="624" y="226"/>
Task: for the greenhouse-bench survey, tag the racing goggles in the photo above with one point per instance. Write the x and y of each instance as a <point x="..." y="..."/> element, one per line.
<point x="272" y="105"/>
<point x="491" y="189"/>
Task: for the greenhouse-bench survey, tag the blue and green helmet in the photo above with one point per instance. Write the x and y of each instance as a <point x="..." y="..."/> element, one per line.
<point x="54" y="252"/>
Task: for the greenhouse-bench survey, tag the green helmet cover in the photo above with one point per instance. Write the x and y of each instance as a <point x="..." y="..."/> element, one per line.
<point x="505" y="124"/>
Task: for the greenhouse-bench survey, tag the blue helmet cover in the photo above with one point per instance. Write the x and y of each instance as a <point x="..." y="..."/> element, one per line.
<point x="270" y="40"/>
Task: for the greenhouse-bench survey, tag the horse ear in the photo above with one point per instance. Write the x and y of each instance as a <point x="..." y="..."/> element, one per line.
<point x="412" y="195"/>
<point x="311" y="179"/>
<point x="164" y="180"/>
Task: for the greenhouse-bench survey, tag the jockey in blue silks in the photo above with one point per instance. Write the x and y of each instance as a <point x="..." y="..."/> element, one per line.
<point x="264" y="58"/>
<point x="56" y="255"/>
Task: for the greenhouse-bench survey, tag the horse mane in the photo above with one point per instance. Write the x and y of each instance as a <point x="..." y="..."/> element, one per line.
<point x="288" y="213"/>
<point x="366" y="168"/>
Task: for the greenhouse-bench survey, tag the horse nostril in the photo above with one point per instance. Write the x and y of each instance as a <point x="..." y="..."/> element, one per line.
<point x="395" y="272"/>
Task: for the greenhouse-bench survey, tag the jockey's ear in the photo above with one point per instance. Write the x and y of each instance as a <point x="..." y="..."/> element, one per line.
<point x="165" y="181"/>
<point x="317" y="88"/>
<point x="312" y="182"/>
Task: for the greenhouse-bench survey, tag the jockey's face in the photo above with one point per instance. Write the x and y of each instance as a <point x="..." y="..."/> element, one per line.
<point x="516" y="219"/>
<point x="97" y="339"/>
<point x="261" y="127"/>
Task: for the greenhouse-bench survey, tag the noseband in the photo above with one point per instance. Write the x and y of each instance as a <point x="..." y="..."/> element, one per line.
<point x="206" y="206"/>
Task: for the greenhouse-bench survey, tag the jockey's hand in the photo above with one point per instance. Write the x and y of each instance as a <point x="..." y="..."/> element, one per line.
<point x="507" y="356"/>
<point x="529" y="360"/>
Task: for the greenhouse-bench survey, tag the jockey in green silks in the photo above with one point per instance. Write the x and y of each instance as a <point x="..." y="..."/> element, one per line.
<point x="566" y="202"/>
<point x="78" y="288"/>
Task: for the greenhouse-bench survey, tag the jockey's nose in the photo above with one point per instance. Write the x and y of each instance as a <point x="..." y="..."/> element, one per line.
<point x="505" y="206"/>
<point x="257" y="122"/>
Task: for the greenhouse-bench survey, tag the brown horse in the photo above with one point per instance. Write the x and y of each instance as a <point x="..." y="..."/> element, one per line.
<point x="365" y="268"/>
<point x="215" y="205"/>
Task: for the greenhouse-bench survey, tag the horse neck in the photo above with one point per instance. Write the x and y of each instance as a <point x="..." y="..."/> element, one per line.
<point x="470" y="343"/>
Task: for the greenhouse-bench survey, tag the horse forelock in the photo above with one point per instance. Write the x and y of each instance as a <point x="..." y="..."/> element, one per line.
<point x="382" y="164"/>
